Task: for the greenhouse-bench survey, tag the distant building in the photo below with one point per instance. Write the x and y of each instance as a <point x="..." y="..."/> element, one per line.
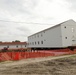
<point x="58" y="36"/>
<point x="13" y="45"/>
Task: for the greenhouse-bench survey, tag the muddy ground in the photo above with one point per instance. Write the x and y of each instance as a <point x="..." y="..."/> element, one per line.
<point x="61" y="66"/>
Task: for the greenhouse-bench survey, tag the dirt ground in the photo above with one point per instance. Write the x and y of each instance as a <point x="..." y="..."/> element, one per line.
<point x="61" y="65"/>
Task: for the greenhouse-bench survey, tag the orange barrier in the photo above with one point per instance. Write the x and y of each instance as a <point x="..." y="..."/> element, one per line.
<point x="17" y="56"/>
<point x="24" y="55"/>
<point x="4" y="56"/>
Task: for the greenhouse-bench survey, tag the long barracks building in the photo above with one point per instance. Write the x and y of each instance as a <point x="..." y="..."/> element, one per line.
<point x="59" y="36"/>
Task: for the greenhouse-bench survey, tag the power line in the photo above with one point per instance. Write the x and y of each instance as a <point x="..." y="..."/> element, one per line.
<point x="26" y="22"/>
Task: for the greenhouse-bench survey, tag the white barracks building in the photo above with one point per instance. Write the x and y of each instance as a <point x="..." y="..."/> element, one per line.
<point x="13" y="45"/>
<point x="58" y="36"/>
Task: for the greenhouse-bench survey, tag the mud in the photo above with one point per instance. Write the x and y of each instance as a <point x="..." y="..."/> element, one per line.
<point x="61" y="66"/>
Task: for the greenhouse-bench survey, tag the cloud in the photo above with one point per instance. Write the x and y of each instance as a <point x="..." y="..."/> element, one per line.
<point x="72" y="4"/>
<point x="19" y="10"/>
<point x="16" y="9"/>
<point x="33" y="11"/>
<point x="24" y="30"/>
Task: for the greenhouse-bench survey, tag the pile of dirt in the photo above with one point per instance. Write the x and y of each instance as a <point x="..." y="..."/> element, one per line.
<point x="62" y="66"/>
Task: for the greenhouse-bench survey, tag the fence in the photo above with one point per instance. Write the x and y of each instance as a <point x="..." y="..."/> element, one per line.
<point x="4" y="56"/>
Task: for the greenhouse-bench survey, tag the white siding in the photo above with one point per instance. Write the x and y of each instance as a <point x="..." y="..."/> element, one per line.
<point x="13" y="46"/>
<point x="61" y="35"/>
<point x="50" y="37"/>
<point x="53" y="37"/>
<point x="69" y="32"/>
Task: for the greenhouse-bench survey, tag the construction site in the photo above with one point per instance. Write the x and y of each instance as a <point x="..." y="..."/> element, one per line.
<point x="49" y="52"/>
<point x="51" y="65"/>
<point x="37" y="37"/>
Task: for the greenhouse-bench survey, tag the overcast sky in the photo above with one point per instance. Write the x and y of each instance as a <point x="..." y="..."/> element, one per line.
<point x="43" y="13"/>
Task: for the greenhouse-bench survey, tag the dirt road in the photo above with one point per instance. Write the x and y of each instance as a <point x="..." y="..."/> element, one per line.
<point x="60" y="65"/>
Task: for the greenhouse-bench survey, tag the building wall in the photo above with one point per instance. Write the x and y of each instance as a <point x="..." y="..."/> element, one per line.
<point x="69" y="33"/>
<point x="62" y="35"/>
<point x="12" y="46"/>
<point x="47" y="38"/>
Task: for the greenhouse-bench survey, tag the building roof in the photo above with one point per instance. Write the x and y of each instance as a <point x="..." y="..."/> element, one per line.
<point x="53" y="26"/>
<point x="13" y="43"/>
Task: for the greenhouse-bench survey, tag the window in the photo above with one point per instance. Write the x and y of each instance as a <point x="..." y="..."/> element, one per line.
<point x="41" y="42"/>
<point x="72" y="29"/>
<point x="65" y="27"/>
<point x="65" y="37"/>
<point x="38" y="42"/>
<point x="7" y="46"/>
<point x="17" y="46"/>
<point x="73" y="40"/>
<point x="35" y="43"/>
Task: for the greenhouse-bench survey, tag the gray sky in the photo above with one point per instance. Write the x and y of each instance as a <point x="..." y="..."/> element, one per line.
<point x="43" y="12"/>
